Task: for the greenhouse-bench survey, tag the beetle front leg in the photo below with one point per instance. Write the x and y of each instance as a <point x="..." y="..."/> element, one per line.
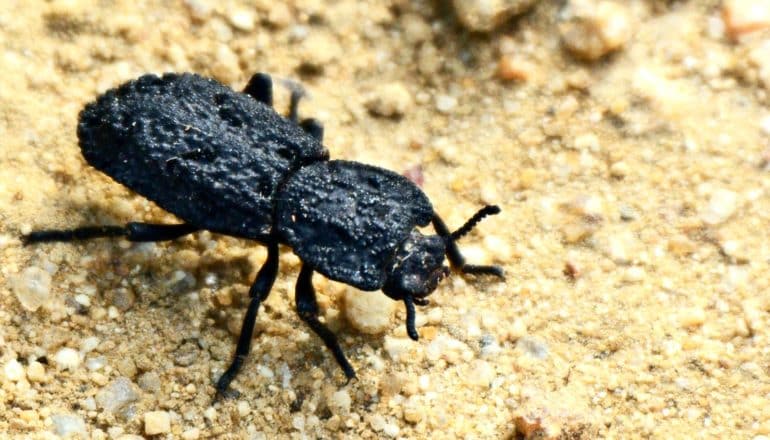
<point x="258" y="293"/>
<point x="307" y="309"/>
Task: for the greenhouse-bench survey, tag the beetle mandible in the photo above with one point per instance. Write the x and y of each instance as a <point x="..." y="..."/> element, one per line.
<point x="226" y="162"/>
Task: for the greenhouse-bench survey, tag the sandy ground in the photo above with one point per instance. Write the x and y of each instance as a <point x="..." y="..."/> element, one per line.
<point x="634" y="229"/>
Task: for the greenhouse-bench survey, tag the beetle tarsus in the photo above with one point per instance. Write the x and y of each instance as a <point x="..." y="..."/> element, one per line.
<point x="410" y="318"/>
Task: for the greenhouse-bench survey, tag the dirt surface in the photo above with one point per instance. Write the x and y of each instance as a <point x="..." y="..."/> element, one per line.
<point x="634" y="190"/>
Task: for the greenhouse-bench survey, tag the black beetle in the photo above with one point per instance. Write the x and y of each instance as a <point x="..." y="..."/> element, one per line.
<point x="227" y="162"/>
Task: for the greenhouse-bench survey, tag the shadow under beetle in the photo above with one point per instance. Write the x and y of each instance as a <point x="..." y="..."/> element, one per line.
<point x="227" y="162"/>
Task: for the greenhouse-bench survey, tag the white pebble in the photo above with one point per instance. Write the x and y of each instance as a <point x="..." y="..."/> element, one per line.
<point x="745" y="16"/>
<point x="13" y="370"/>
<point x="594" y="29"/>
<point x="156" y="422"/>
<point x="117" y="395"/>
<point x="36" y="372"/>
<point x="368" y="312"/>
<point x="721" y="207"/>
<point x="445" y="103"/>
<point x="764" y="125"/>
<point x="68" y="425"/>
<point x="89" y="344"/>
<point x="32" y="287"/>
<point x="67" y="358"/>
<point x="390" y="100"/>
<point x="243" y="20"/>
<point x="339" y="402"/>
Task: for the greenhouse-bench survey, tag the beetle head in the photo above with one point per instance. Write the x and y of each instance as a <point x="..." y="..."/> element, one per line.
<point x="417" y="268"/>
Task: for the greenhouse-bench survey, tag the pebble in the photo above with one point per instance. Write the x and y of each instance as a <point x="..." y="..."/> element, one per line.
<point x="413" y="411"/>
<point x="745" y="16"/>
<point x="36" y="372"/>
<point x="319" y="50"/>
<point x="515" y="68"/>
<point x="445" y="347"/>
<point x="391" y="100"/>
<point x="485" y="15"/>
<point x="67" y="358"/>
<point x="534" y="347"/>
<point x="722" y="205"/>
<point x="594" y="29"/>
<point x="692" y="317"/>
<point x="149" y="381"/>
<point x="191" y="434"/>
<point x="445" y="103"/>
<point x="242" y="19"/>
<point x="32" y="287"/>
<point x="68" y="425"/>
<point x="13" y="370"/>
<point x="339" y="402"/>
<point x="368" y="312"/>
<point x="156" y="422"/>
<point x="764" y="125"/>
<point x="398" y="348"/>
<point x="117" y="395"/>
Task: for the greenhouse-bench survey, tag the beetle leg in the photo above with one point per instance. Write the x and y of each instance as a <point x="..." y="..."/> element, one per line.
<point x="260" y="87"/>
<point x="133" y="231"/>
<point x="314" y="128"/>
<point x="410" y="317"/>
<point x="453" y="252"/>
<point x="307" y="309"/>
<point x="258" y="293"/>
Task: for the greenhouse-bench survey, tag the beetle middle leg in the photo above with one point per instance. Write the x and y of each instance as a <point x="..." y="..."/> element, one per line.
<point x="258" y="293"/>
<point x="453" y="252"/>
<point x="133" y="231"/>
<point x="307" y="309"/>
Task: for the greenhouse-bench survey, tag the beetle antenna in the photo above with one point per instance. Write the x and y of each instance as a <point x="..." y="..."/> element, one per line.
<point x="473" y="221"/>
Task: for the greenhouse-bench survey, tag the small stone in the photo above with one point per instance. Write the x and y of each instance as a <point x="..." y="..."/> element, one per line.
<point x="594" y="29"/>
<point x="398" y="348"/>
<point x="68" y="426"/>
<point x="413" y="412"/>
<point x="416" y="29"/>
<point x="156" y="422"/>
<point x="339" y="402"/>
<point x="318" y="50"/>
<point x="32" y="287"/>
<point x="149" y="381"/>
<point x="512" y="68"/>
<point x="36" y="372"/>
<point x="681" y="245"/>
<point x="722" y="205"/>
<point x="67" y="359"/>
<point x="485" y="15"/>
<point x="191" y="434"/>
<point x="634" y="274"/>
<point x="764" y="125"/>
<point x="368" y="312"/>
<point x="242" y="19"/>
<point x="445" y="103"/>
<point x="619" y="169"/>
<point x="391" y="100"/>
<point x="122" y="298"/>
<point x="745" y="16"/>
<point x="280" y="15"/>
<point x="13" y="370"/>
<point x="117" y="395"/>
<point x="533" y="347"/>
<point x="483" y="373"/>
<point x="692" y="317"/>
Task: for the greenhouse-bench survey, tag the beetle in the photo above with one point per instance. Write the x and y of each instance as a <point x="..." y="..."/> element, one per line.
<point x="227" y="162"/>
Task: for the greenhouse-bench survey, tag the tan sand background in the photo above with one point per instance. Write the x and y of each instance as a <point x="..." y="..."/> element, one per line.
<point x="634" y="231"/>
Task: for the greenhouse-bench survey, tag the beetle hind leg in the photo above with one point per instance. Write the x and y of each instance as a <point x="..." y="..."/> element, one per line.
<point x="133" y="231"/>
<point x="260" y="87"/>
<point x="307" y="309"/>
